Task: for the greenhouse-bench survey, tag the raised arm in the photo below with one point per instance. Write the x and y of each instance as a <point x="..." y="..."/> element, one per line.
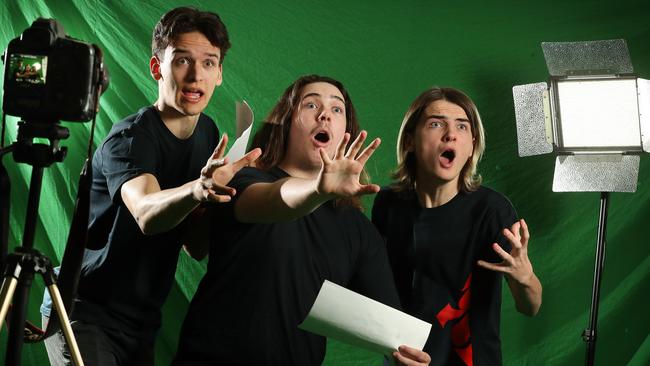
<point x="196" y="240"/>
<point x="294" y="197"/>
<point x="524" y="285"/>
<point x="157" y="210"/>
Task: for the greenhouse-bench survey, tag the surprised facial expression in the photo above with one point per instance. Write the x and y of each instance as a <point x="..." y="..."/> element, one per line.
<point x="187" y="74"/>
<point x="442" y="143"/>
<point x="318" y="122"/>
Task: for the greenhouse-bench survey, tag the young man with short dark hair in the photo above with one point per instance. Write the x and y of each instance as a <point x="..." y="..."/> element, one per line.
<point x="148" y="176"/>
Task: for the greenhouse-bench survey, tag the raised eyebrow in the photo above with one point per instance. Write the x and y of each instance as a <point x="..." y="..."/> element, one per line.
<point x="337" y="97"/>
<point x="179" y="50"/>
<point x="212" y="55"/>
<point x="182" y="50"/>
<point x="310" y="95"/>
<point x="318" y="95"/>
<point x="437" y="116"/>
<point x="441" y="116"/>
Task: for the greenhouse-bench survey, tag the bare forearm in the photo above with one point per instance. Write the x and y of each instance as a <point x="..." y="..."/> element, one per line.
<point x="301" y="196"/>
<point x="527" y="296"/>
<point x="282" y="200"/>
<point x="163" y="210"/>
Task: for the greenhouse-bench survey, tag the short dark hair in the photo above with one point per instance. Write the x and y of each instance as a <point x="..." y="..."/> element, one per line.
<point x="273" y="135"/>
<point x="187" y="19"/>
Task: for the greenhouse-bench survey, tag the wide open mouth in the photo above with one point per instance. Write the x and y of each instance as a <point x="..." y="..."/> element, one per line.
<point x="192" y="93"/>
<point x="449" y="154"/>
<point x="322" y="136"/>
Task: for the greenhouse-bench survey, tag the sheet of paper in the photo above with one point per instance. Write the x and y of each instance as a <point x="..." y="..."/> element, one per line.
<point x="244" y="121"/>
<point x="357" y="320"/>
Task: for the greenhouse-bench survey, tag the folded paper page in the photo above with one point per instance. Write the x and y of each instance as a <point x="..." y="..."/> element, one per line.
<point x="352" y="318"/>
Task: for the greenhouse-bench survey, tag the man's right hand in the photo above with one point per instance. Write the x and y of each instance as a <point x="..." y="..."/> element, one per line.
<point x="217" y="172"/>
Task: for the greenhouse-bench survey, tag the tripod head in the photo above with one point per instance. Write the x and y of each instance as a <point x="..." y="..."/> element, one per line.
<point x="39" y="154"/>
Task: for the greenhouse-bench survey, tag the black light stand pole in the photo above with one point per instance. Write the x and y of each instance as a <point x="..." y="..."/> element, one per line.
<point x="589" y="335"/>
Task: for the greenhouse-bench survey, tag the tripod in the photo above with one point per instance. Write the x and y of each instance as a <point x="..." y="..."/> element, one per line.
<point x="26" y="261"/>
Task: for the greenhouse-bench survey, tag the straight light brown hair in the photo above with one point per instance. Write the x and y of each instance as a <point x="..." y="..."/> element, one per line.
<point x="405" y="173"/>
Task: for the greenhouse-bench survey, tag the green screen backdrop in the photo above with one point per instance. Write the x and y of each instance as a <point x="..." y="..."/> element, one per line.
<point x="386" y="53"/>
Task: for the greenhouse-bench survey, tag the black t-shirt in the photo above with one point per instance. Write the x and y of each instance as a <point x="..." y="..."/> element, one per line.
<point x="433" y="254"/>
<point x="262" y="279"/>
<point x="124" y="284"/>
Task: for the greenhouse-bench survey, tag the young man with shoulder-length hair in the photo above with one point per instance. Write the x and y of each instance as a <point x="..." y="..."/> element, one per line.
<point x="449" y="239"/>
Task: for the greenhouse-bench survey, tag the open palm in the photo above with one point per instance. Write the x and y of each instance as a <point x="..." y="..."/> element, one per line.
<point x="340" y="176"/>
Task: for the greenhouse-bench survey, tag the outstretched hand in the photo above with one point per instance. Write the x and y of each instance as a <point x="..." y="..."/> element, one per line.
<point x="409" y="356"/>
<point x="341" y="175"/>
<point x="515" y="264"/>
<point x="217" y="172"/>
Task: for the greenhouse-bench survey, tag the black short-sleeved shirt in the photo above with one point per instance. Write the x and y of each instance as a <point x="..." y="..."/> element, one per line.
<point x="433" y="254"/>
<point x="124" y="284"/>
<point x="262" y="279"/>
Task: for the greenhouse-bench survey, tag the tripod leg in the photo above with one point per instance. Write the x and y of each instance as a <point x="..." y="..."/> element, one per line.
<point x="6" y="294"/>
<point x="57" y="301"/>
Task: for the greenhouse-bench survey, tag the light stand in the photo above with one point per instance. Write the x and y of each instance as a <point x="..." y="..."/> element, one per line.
<point x="594" y="114"/>
<point x="589" y="334"/>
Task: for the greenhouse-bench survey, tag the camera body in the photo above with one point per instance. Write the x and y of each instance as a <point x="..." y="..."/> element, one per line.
<point x="50" y="76"/>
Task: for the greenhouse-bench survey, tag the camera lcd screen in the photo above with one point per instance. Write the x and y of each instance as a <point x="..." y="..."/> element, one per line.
<point x="27" y="69"/>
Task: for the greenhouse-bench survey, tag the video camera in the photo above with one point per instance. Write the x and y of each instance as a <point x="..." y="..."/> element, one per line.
<point x="50" y="76"/>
